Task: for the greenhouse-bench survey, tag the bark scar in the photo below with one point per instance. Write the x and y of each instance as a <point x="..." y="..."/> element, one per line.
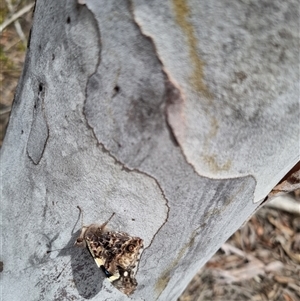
<point x="39" y="132"/>
<point x="104" y="149"/>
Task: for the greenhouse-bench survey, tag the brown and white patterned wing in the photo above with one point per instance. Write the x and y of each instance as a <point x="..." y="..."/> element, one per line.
<point x="126" y="283"/>
<point x="116" y="253"/>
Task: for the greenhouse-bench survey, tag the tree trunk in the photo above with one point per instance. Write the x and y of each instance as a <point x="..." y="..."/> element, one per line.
<point x="178" y="116"/>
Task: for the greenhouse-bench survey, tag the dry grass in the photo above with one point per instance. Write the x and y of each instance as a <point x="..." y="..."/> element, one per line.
<point x="12" y="54"/>
<point x="260" y="262"/>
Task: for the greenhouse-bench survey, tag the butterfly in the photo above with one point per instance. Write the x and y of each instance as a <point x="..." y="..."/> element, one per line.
<point x="115" y="253"/>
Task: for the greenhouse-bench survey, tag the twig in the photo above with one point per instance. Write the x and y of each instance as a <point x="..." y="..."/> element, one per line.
<point x="286" y="203"/>
<point x="16" y="23"/>
<point x="5" y="111"/>
<point x="15" y="16"/>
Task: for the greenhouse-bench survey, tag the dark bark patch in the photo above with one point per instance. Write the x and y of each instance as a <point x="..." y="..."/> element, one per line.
<point x="39" y="131"/>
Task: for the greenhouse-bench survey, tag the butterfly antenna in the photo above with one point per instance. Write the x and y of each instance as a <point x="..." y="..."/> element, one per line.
<point x="110" y="217"/>
<point x="107" y="221"/>
<point x="81" y="213"/>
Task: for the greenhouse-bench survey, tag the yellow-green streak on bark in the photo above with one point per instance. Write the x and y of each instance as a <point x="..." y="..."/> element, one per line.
<point x="182" y="12"/>
<point x="164" y="279"/>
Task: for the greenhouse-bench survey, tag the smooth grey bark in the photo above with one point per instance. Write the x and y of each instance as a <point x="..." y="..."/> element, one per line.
<point x="179" y="116"/>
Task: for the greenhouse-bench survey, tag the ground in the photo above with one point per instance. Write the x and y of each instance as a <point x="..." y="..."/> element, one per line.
<point x="260" y="262"/>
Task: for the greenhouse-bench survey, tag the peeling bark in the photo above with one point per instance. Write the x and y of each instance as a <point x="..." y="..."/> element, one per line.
<point x="178" y="116"/>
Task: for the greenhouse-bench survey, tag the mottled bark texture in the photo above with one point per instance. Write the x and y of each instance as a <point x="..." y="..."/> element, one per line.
<point x="179" y="116"/>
